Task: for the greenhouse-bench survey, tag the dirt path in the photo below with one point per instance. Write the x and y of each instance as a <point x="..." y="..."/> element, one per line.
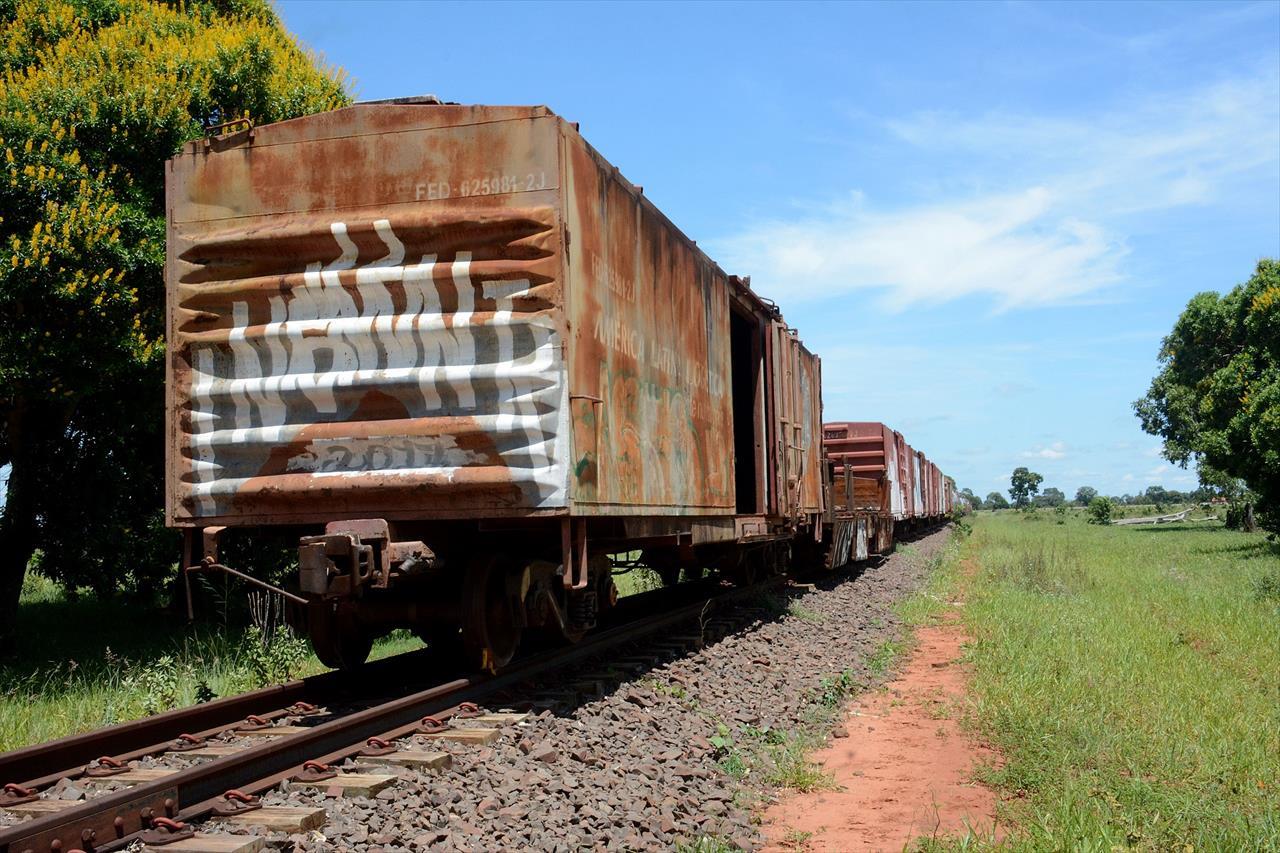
<point x="904" y="768"/>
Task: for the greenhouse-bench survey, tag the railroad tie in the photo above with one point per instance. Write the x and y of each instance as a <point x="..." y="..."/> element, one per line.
<point x="207" y="842"/>
<point x="349" y="784"/>
<point x="499" y="718"/>
<point x="42" y="807"/>
<point x="482" y="737"/>
<point x="419" y="759"/>
<point x="137" y="775"/>
<point x="289" y="819"/>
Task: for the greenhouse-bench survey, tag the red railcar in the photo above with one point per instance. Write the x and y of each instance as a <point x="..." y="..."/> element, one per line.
<point x="880" y="487"/>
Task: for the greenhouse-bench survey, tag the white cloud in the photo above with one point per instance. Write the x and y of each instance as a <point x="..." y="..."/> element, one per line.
<point x="1057" y="450"/>
<point x="1018" y="247"/>
<point x="1052" y="230"/>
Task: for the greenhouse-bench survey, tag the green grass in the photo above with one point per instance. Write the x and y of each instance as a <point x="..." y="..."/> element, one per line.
<point x="86" y="663"/>
<point x="1131" y="678"/>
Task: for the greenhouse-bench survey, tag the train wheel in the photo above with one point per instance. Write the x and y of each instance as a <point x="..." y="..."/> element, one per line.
<point x="338" y="640"/>
<point x="490" y="630"/>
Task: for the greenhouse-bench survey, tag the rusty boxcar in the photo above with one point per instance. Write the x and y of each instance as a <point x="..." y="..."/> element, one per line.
<point x="881" y="488"/>
<point x="465" y="360"/>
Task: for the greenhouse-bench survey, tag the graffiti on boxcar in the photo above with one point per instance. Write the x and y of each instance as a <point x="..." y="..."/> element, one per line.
<point x="415" y="369"/>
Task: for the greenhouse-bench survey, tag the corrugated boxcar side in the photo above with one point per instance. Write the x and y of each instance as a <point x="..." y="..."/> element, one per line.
<point x="798" y="426"/>
<point x="650" y="370"/>
<point x="364" y="318"/>
<point x="652" y="418"/>
<point x="904" y="455"/>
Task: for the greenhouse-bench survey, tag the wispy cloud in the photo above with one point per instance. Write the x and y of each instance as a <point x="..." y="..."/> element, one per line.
<point x="1057" y="450"/>
<point x="1043" y="219"/>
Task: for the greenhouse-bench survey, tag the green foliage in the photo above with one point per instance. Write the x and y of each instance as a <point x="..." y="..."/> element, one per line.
<point x="883" y="657"/>
<point x="1023" y="485"/>
<point x="833" y="689"/>
<point x="94" y="96"/>
<point x="1100" y="510"/>
<point x="1217" y="396"/>
<point x="1085" y="494"/>
<point x="707" y="844"/>
<point x="273" y="658"/>
<point x="801" y="612"/>
<point x="158" y="684"/>
<point x="995" y="500"/>
<point x="1051" y="497"/>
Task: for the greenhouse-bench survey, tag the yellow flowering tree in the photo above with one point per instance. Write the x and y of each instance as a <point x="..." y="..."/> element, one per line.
<point x="1216" y="399"/>
<point x="94" y="96"/>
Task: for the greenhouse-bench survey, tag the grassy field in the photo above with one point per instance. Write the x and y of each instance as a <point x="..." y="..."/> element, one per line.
<point x="87" y="663"/>
<point x="1131" y="678"/>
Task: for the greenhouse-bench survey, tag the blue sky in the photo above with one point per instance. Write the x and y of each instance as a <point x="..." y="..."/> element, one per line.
<point x="983" y="217"/>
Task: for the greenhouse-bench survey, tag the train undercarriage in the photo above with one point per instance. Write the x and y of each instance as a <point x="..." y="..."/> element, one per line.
<point x="476" y="594"/>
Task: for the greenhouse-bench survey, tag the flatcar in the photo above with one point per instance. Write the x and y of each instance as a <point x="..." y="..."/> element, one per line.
<point x="464" y="360"/>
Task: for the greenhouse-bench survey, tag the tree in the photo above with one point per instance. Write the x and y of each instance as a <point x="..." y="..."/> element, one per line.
<point x="1023" y="485"/>
<point x="974" y="500"/>
<point x="1156" y="495"/>
<point x="995" y="500"/>
<point x="1051" y="497"/>
<point x="1084" y="494"/>
<point x="94" y="96"/>
<point x="1100" y="510"/>
<point x="1216" y="399"/>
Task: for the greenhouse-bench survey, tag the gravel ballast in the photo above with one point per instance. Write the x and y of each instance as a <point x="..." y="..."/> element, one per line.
<point x="643" y="765"/>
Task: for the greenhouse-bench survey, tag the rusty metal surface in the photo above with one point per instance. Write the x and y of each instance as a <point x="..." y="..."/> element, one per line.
<point x="412" y="311"/>
<point x="868" y="450"/>
<point x="888" y="476"/>
<point x="650" y="370"/>
<point x="364" y="317"/>
<point x="812" y="495"/>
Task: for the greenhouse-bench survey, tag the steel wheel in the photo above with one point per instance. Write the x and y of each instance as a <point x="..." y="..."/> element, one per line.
<point x="338" y="641"/>
<point x="490" y="633"/>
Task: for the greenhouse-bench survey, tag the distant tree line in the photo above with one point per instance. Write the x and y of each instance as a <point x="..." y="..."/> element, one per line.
<point x="1025" y="492"/>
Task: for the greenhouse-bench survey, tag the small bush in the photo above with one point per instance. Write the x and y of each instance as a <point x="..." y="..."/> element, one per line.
<point x="273" y="658"/>
<point x="1100" y="510"/>
<point x="158" y="684"/>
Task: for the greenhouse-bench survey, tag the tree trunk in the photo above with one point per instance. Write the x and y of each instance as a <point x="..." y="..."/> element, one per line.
<point x="1249" y="525"/>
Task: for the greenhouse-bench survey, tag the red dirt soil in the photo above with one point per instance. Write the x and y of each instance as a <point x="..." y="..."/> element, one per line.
<point x="905" y="768"/>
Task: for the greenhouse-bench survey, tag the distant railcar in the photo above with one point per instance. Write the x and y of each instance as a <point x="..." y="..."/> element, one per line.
<point x="881" y="489"/>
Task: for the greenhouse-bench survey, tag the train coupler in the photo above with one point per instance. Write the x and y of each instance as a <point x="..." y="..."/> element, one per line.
<point x="353" y="554"/>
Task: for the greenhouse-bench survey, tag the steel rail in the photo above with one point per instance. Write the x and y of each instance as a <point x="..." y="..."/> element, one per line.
<point x="42" y="764"/>
<point x="111" y="821"/>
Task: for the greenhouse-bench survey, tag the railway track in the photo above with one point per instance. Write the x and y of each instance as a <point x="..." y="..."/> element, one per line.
<point x="238" y="759"/>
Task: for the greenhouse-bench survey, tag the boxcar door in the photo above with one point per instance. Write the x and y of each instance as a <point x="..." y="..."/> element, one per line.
<point x="785" y="419"/>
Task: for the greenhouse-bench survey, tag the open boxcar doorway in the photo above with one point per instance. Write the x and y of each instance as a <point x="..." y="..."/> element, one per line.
<point x="746" y="355"/>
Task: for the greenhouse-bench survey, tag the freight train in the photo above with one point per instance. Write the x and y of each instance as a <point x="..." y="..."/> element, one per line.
<point x="466" y="362"/>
